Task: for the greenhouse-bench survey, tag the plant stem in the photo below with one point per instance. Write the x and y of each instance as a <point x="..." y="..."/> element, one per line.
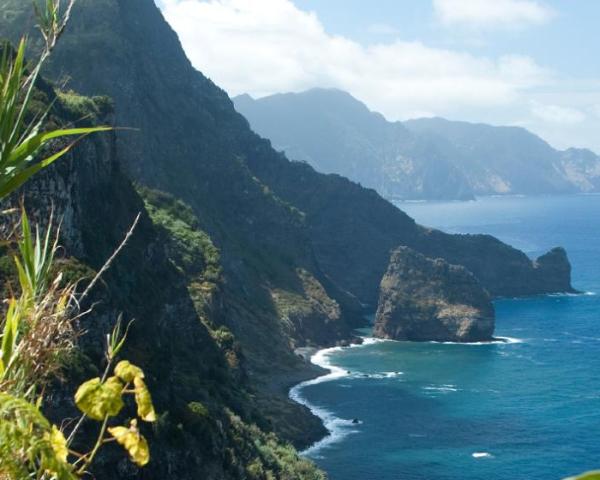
<point x="96" y="447"/>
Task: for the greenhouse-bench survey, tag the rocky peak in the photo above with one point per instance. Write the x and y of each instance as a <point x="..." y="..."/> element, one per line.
<point x="422" y="299"/>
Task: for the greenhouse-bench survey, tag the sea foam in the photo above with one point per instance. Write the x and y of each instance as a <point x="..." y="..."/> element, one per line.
<point x="338" y="428"/>
<point x="482" y="455"/>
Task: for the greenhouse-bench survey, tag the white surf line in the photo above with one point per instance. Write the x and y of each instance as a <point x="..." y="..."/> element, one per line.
<point x="338" y="428"/>
<point x="495" y="341"/>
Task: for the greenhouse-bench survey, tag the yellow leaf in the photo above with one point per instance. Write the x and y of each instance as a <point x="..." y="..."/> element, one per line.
<point x="132" y="441"/>
<point x="58" y="442"/>
<point x="127" y="371"/>
<point x="595" y="475"/>
<point x="145" y="408"/>
<point x="97" y="399"/>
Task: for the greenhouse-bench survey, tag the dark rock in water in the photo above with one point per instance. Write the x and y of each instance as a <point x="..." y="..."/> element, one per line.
<point x="431" y="300"/>
<point x="356" y="421"/>
<point x="555" y="268"/>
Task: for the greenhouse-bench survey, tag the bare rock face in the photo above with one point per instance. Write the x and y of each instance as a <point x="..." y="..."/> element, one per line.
<point x="431" y="300"/>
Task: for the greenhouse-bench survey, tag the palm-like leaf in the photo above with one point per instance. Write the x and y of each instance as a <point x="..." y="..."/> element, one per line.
<point x="22" y="143"/>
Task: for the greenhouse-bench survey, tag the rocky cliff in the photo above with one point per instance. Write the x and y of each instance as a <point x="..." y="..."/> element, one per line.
<point x="582" y="167"/>
<point x="505" y="160"/>
<point x="212" y="421"/>
<point x="335" y="133"/>
<point x="242" y="255"/>
<point x="430" y="158"/>
<point x="431" y="300"/>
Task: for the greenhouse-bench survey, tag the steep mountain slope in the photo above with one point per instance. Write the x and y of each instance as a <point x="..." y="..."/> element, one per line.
<point x="208" y="414"/>
<point x="298" y="250"/>
<point x="335" y="133"/>
<point x="582" y="168"/>
<point x="499" y="160"/>
<point x="270" y="217"/>
<point x="429" y="158"/>
<point x="184" y="146"/>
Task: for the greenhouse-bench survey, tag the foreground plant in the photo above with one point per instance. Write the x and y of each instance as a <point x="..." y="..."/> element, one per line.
<point x="39" y="327"/>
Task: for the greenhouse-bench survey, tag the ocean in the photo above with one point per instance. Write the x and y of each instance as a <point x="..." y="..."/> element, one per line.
<point x="526" y="408"/>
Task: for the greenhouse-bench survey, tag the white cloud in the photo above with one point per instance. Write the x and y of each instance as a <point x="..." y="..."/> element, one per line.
<point x="557" y="114"/>
<point x="492" y="13"/>
<point x="266" y="46"/>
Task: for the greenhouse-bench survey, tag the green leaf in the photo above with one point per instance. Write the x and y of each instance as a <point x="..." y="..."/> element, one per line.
<point x="32" y="145"/>
<point x="135" y="444"/>
<point x="145" y="408"/>
<point x="10" y="183"/>
<point x="126" y="371"/>
<point x="58" y="442"/>
<point x="9" y="334"/>
<point x="99" y="400"/>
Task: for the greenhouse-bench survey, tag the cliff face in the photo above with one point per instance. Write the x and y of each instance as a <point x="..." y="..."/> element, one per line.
<point x="503" y="160"/>
<point x="430" y="300"/>
<point x="298" y="251"/>
<point x="582" y="167"/>
<point x="211" y="421"/>
<point x="353" y="230"/>
<point x="270" y="217"/>
<point x="429" y="158"/>
<point x="335" y="133"/>
<point x="501" y="269"/>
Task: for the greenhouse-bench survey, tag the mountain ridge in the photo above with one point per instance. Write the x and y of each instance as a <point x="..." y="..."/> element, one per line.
<point x="299" y="251"/>
<point x="420" y="159"/>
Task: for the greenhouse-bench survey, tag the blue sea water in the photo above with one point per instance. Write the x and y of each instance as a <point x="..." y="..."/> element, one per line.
<point x="525" y="409"/>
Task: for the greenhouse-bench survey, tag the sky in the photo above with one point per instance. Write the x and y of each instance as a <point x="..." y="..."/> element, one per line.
<point x="531" y="63"/>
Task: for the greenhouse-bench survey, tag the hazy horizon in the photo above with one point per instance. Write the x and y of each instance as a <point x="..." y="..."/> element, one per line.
<point x="519" y="63"/>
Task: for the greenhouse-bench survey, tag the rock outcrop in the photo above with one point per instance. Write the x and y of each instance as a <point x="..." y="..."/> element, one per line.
<point x="431" y="300"/>
<point x="298" y="250"/>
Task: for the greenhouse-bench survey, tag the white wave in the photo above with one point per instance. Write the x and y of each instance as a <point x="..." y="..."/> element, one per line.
<point x="441" y="388"/>
<point x="482" y="455"/>
<point x="508" y="340"/>
<point x="370" y="341"/>
<point x="338" y="428"/>
<point x="570" y="294"/>
<point x="495" y="341"/>
<point x="377" y="376"/>
<point x="386" y="375"/>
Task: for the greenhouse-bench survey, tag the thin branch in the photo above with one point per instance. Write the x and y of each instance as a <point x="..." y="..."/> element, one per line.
<point x="108" y="263"/>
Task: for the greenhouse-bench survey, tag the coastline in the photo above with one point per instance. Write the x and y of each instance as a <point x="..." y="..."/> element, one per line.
<point x="337" y="428"/>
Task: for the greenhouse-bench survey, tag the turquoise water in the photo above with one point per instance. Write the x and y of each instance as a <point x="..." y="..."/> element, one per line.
<point x="529" y="409"/>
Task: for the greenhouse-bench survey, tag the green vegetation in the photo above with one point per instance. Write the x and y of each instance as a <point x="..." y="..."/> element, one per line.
<point x="595" y="475"/>
<point x="81" y="107"/>
<point x="190" y="248"/>
<point x="39" y="324"/>
<point x="273" y="459"/>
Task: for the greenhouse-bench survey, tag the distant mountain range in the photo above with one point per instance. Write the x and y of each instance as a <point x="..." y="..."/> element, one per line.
<point x="428" y="159"/>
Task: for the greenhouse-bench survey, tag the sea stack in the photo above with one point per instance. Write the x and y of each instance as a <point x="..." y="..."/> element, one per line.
<point x="423" y="299"/>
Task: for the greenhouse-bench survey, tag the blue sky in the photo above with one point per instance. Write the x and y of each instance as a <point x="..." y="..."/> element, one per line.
<point x="533" y="63"/>
<point x="569" y="42"/>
